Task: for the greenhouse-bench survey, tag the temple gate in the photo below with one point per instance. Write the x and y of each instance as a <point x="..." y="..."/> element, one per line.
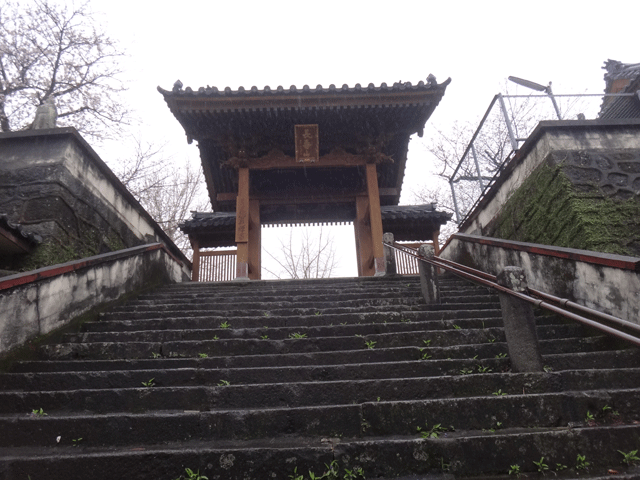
<point x="293" y="156"/>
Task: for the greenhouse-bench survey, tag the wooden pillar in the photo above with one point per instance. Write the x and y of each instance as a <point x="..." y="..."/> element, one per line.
<point x="364" y="244"/>
<point x="375" y="218"/>
<point x="195" y="264"/>
<point x="242" y="224"/>
<point x="436" y="243"/>
<point x="255" y="246"/>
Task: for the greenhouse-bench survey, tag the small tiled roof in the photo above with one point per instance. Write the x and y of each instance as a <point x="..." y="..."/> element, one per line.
<point x="406" y="222"/>
<point x="621" y="107"/>
<point x="14" y="239"/>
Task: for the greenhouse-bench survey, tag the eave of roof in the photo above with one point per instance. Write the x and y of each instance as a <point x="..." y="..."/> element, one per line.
<point x="323" y="96"/>
<point x="13" y="239"/>
<point x="210" y="115"/>
<point x="407" y="222"/>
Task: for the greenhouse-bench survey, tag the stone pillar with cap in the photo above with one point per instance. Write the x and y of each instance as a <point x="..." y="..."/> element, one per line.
<point x="390" y="268"/>
<point x="519" y="323"/>
<point x="428" y="275"/>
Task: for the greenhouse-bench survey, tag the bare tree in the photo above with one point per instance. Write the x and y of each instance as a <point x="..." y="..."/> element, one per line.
<point x="311" y="257"/>
<point x="168" y="192"/>
<point x="51" y="51"/>
<point x="491" y="147"/>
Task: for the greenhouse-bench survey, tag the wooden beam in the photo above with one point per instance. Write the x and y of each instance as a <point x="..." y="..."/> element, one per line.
<point x="375" y="218"/>
<point x="242" y="224"/>
<point x="254" y="249"/>
<point x="436" y="243"/>
<point x="195" y="265"/>
<point x="329" y="198"/>
<point x="364" y="244"/>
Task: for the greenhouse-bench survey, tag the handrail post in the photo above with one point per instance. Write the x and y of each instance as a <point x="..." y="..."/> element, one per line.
<point x="390" y="268"/>
<point x="428" y="276"/>
<point x="519" y="323"/>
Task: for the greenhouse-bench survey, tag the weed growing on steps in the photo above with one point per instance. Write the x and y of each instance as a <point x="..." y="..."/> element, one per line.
<point x="514" y="470"/>
<point x="542" y="467"/>
<point x="224" y="383"/>
<point x="483" y="369"/>
<point x="501" y="355"/>
<point x="191" y="475"/>
<point x="466" y="371"/>
<point x="76" y="441"/>
<point x="38" y="413"/>
<point x="149" y="384"/>
<point x="433" y="432"/>
<point x="493" y="429"/>
<point x="370" y="344"/>
<point x="225" y="324"/>
<point x="457" y="327"/>
<point x="298" y="335"/>
<point x="264" y="337"/>
<point x="547" y="368"/>
<point x="215" y="337"/>
<point x="424" y="355"/>
<point x="499" y="393"/>
<point x="332" y="473"/>
<point x="630" y="458"/>
<point x="203" y="355"/>
<point x="589" y="418"/>
<point x="560" y="467"/>
<point x="155" y="355"/>
<point x="426" y="342"/>
<point x="581" y="462"/>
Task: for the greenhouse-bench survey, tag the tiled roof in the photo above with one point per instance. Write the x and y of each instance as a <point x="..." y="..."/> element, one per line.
<point x="258" y="121"/>
<point x="408" y="222"/>
<point x="617" y="70"/>
<point x="621" y="107"/>
<point x="254" y="91"/>
<point x="22" y="241"/>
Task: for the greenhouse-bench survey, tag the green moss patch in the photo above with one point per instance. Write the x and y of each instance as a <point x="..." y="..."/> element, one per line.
<point x="548" y="209"/>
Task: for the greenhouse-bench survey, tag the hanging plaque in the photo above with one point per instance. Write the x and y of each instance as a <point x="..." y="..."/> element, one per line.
<point x="307" y="143"/>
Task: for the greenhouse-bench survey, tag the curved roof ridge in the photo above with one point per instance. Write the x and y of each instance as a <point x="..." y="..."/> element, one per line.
<point x="210" y="91"/>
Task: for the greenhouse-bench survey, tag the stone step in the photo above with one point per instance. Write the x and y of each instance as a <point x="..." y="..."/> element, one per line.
<point x="144" y="344"/>
<point x="555" y="362"/>
<point x="373" y="419"/>
<point x="283" y="309"/>
<point x="212" y="377"/>
<point x="464" y="319"/>
<point x="367" y="331"/>
<point x="366" y="316"/>
<point x="457" y="454"/>
<point x="208" y="374"/>
<point x="465" y="295"/>
<point x="315" y="393"/>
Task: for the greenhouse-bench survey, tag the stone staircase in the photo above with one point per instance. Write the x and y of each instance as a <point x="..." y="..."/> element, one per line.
<point x="274" y="379"/>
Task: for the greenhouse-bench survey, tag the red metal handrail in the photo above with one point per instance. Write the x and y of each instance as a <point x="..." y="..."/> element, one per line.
<point x="486" y="279"/>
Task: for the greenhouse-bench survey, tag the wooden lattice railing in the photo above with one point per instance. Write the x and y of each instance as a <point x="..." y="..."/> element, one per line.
<point x="217" y="266"/>
<point x="406" y="264"/>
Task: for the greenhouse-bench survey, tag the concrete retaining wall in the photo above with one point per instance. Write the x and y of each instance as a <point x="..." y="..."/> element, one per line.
<point x="605" y="282"/>
<point x="38" y="302"/>
<point x="573" y="184"/>
<point x="54" y="184"/>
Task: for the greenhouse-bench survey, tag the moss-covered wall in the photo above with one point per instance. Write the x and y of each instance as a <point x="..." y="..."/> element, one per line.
<point x="577" y="200"/>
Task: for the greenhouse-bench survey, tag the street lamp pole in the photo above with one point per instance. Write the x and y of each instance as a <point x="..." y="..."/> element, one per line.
<point x="539" y="88"/>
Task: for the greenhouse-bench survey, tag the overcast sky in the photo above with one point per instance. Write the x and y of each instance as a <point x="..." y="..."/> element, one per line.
<point x="476" y="43"/>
